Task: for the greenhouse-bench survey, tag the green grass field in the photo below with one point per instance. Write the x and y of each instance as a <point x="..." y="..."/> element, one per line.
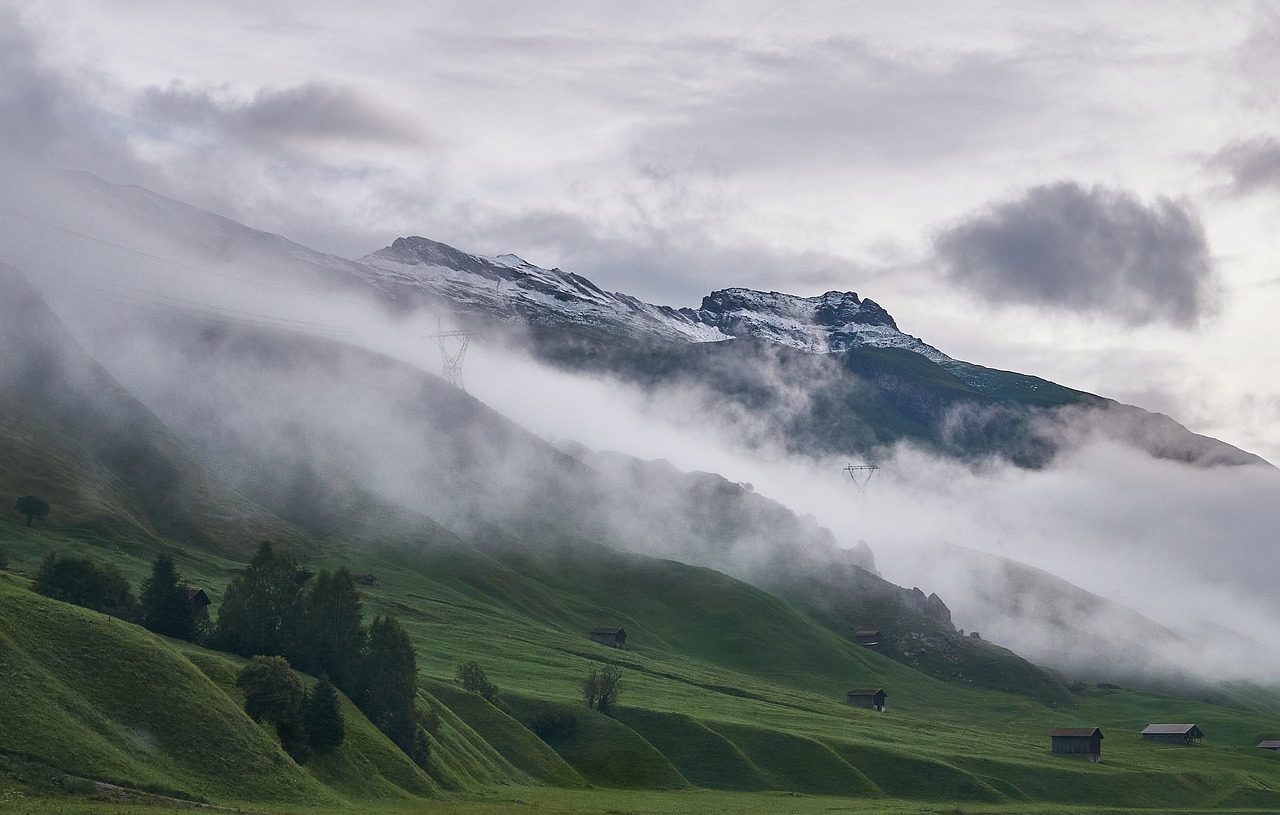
<point x="732" y="701"/>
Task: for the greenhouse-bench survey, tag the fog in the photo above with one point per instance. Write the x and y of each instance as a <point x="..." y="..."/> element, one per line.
<point x="1191" y="548"/>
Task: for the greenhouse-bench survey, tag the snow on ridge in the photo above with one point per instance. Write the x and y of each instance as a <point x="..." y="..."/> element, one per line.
<point x="509" y="287"/>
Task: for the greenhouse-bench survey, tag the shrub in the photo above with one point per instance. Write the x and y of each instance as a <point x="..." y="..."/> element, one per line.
<point x="553" y="726"/>
<point x="472" y="678"/>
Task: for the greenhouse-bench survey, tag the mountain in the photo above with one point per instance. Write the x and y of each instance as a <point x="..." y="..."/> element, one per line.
<point x="864" y="384"/>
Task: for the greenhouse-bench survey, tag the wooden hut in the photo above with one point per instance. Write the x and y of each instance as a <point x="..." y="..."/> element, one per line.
<point x="198" y="599"/>
<point x="1270" y="744"/>
<point x="868" y="638"/>
<point x="867" y="697"/>
<point x="1173" y="733"/>
<point x="608" y="635"/>
<point x="1085" y="742"/>
<point x="366" y="579"/>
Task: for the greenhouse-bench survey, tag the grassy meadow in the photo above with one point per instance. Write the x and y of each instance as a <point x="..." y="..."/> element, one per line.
<point x="732" y="701"/>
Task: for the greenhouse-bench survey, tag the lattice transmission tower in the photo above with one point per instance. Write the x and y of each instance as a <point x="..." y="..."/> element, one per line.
<point x="861" y="474"/>
<point x="453" y="349"/>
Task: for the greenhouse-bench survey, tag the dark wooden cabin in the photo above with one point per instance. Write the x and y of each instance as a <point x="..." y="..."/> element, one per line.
<point x="868" y="638"/>
<point x="607" y="635"/>
<point x="1270" y="744"/>
<point x="1173" y="733"/>
<point x="366" y="579"/>
<point x="198" y="599"/>
<point x="1085" y="742"/>
<point x="867" y="697"/>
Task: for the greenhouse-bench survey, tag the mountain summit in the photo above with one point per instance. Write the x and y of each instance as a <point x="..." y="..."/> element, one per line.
<point x="510" y="288"/>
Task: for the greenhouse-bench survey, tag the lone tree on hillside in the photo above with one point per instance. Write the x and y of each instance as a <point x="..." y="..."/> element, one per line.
<point x="600" y="688"/>
<point x="32" y="507"/>
<point x="472" y="678"/>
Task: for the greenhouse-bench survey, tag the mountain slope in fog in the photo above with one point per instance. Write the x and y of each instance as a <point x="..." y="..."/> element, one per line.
<point x="76" y="438"/>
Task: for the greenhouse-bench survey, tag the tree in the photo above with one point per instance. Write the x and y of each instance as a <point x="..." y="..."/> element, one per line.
<point x="32" y="507"/>
<point x="330" y="635"/>
<point x="82" y="582"/>
<point x="322" y="717"/>
<point x="389" y="687"/>
<point x="472" y="678"/>
<point x="272" y="693"/>
<point x="258" y="612"/>
<point x="600" y="688"/>
<point x="166" y="609"/>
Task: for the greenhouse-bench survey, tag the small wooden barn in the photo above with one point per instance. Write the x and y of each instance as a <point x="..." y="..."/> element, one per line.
<point x="198" y="599"/>
<point x="1085" y="742"/>
<point x="1173" y="733"/>
<point x="366" y="579"/>
<point x="867" y="697"/>
<point x="868" y="638"/>
<point x="608" y="635"/>
<point x="1270" y="744"/>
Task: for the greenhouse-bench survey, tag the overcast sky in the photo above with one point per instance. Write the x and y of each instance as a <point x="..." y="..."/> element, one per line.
<point x="1088" y="192"/>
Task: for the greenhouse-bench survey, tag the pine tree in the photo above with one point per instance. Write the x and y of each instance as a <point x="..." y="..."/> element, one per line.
<point x="165" y="607"/>
<point x="322" y="717"/>
<point x="331" y="635"/>
<point x="390" y="686"/>
<point x="260" y="607"/>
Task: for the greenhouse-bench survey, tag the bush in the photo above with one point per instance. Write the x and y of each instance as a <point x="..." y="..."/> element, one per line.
<point x="472" y="678"/>
<point x="553" y="726"/>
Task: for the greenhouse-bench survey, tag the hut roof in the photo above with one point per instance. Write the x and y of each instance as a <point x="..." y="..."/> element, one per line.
<point x="607" y="629"/>
<point x="1270" y="744"/>
<point x="866" y="632"/>
<point x="194" y="592"/>
<point x="866" y="691"/>
<point x="1173" y="730"/>
<point x="1083" y="732"/>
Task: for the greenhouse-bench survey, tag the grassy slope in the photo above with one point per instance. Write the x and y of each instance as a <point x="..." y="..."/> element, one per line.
<point x="725" y="686"/>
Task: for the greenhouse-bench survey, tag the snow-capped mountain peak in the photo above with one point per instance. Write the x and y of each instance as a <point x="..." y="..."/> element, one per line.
<point x="511" y="288"/>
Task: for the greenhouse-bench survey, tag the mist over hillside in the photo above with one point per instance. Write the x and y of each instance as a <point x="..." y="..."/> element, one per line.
<point x="303" y="385"/>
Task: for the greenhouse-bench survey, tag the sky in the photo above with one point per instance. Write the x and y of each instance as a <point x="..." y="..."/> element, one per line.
<point x="1086" y="191"/>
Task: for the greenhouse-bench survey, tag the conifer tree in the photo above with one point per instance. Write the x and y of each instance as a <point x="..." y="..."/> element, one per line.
<point x="322" y="717"/>
<point x="390" y="687"/>
<point x="166" y="608"/>
<point x="331" y="635"/>
<point x="260" y="607"/>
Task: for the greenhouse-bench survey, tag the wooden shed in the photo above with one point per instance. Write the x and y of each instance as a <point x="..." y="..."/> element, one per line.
<point x="1085" y="742"/>
<point x="867" y="697"/>
<point x="1173" y="733"/>
<point x="1270" y="744"/>
<point x="868" y="638"/>
<point x="198" y="599"/>
<point x="608" y="635"/>
<point x="366" y="579"/>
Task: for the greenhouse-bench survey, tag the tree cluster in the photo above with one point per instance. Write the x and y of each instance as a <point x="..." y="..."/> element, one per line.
<point x="163" y="607"/>
<point x="315" y="623"/>
<point x="83" y="582"/>
<point x="303" y="721"/>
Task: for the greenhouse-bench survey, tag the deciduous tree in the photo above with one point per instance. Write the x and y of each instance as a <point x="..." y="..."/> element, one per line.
<point x="32" y="507"/>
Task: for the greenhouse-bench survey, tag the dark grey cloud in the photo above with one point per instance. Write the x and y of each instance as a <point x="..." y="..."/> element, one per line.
<point x="1086" y="249"/>
<point x="311" y="112"/>
<point x="1253" y="164"/>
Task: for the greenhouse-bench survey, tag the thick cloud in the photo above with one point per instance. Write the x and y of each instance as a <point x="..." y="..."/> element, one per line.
<point x="1091" y="250"/>
<point x="1254" y="165"/>
<point x="313" y="111"/>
